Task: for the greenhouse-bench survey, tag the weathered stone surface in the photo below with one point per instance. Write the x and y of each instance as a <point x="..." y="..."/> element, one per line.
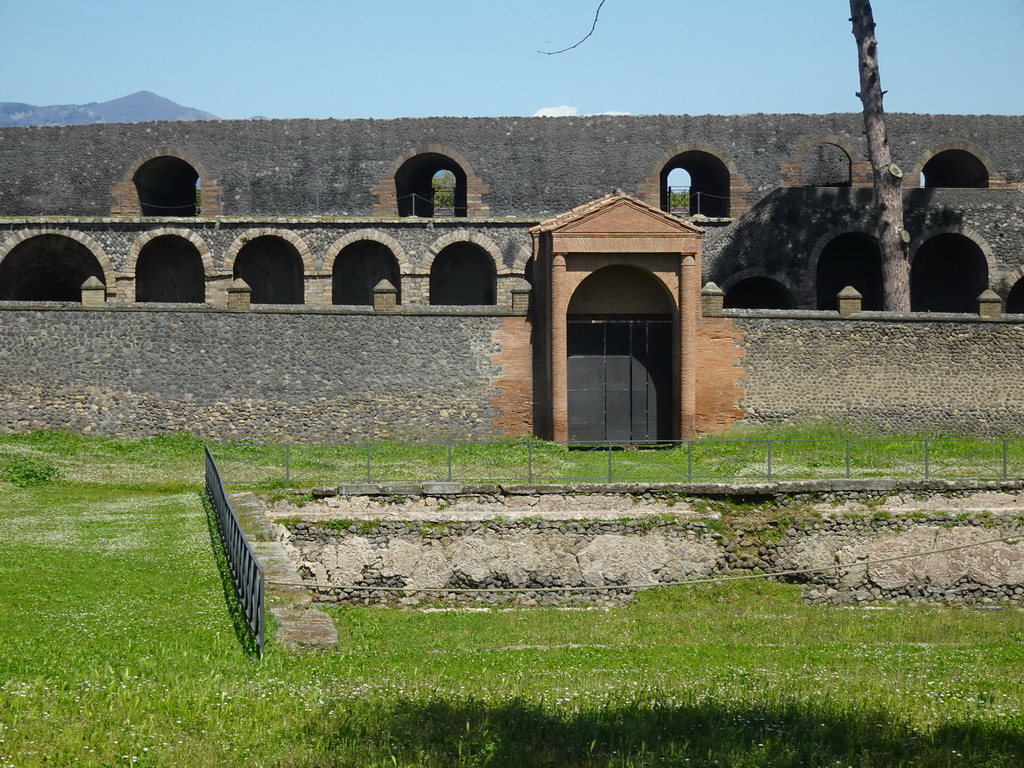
<point x="992" y="563"/>
<point x="513" y="560"/>
<point x="417" y="566"/>
<point x="623" y="560"/>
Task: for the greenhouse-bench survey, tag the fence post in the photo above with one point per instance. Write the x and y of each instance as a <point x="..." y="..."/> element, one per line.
<point x="769" y="442"/>
<point x="926" y="458"/>
<point x="847" y="458"/>
<point x="1005" y="467"/>
<point x="529" y="462"/>
<point x="287" y="466"/>
<point x="369" y="466"/>
<point x="689" y="461"/>
<point x="609" y="462"/>
<point x="449" y="461"/>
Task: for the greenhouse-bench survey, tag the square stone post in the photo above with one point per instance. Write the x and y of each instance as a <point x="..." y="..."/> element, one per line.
<point x="239" y="295"/>
<point x="94" y="293"/>
<point x="521" y="296"/>
<point x="849" y="301"/>
<point x="990" y="306"/>
<point x="385" y="297"/>
<point x="712" y="299"/>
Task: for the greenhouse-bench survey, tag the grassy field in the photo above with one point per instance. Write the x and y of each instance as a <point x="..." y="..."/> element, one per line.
<point x="117" y="647"/>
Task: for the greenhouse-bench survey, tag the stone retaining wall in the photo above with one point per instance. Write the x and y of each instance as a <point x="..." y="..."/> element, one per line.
<point x="554" y="562"/>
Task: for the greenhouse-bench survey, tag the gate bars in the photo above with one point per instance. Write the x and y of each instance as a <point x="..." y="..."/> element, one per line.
<point x="245" y="568"/>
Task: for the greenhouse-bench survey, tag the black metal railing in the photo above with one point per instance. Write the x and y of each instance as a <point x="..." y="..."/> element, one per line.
<point x="245" y="568"/>
<point x="692" y="461"/>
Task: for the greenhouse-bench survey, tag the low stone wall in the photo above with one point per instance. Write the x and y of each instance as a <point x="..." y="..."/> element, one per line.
<point x="839" y="558"/>
<point x="268" y="374"/>
<point x="941" y="374"/>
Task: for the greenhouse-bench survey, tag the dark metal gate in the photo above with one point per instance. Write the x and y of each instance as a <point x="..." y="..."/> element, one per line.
<point x="619" y="380"/>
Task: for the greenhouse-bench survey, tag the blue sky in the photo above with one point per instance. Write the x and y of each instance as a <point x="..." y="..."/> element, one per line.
<point x="413" y="58"/>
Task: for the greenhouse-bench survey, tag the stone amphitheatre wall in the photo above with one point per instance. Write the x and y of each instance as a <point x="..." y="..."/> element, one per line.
<point x="340" y="374"/>
<point x="520" y="166"/>
<point x="928" y="373"/>
<point x="269" y="374"/>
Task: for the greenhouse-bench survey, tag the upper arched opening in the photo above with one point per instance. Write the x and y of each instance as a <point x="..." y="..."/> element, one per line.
<point x="47" y="268"/>
<point x="948" y="274"/>
<point x="827" y="165"/>
<point x="708" y="190"/>
<point x="463" y="274"/>
<point x="758" y="292"/>
<point x="167" y="186"/>
<point x="431" y="184"/>
<point x="358" y="268"/>
<point x="852" y="258"/>
<point x="954" y="168"/>
<point x="272" y="268"/>
<point x="170" y="269"/>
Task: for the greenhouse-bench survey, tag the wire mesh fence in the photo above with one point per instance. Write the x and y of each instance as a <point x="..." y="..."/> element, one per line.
<point x="537" y="462"/>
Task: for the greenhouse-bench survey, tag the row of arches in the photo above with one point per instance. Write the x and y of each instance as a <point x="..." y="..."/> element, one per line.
<point x="831" y="161"/>
<point x="173" y="267"/>
<point x="694" y="179"/>
<point x="948" y="272"/>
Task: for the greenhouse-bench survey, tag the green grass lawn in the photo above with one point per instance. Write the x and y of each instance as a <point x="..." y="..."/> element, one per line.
<point x="117" y="647"/>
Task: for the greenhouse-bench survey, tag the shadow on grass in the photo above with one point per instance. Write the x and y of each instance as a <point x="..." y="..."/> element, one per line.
<point x="520" y="734"/>
<point x="246" y="637"/>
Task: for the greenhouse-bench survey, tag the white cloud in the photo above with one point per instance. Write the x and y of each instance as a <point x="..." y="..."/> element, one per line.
<point x="562" y="111"/>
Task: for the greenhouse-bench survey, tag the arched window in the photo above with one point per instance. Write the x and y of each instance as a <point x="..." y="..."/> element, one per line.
<point x="170" y="269"/>
<point x="47" y="268"/>
<point x="273" y="270"/>
<point x="826" y="165"/>
<point x="358" y="269"/>
<point x="708" y="185"/>
<point x="677" y="194"/>
<point x="167" y="186"/>
<point x="758" y="293"/>
<point x="955" y="168"/>
<point x="850" y="259"/>
<point x="1015" y="299"/>
<point x="461" y="274"/>
<point x="948" y="274"/>
<point x="431" y="184"/>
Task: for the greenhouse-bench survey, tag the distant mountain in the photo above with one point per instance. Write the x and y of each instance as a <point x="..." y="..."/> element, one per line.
<point x="137" y="108"/>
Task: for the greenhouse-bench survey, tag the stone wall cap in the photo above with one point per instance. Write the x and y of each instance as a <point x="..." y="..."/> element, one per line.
<point x="711" y="289"/>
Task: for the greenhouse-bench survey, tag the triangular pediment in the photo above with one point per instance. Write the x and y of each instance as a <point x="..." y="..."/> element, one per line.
<point x="617" y="214"/>
<point x="620" y="223"/>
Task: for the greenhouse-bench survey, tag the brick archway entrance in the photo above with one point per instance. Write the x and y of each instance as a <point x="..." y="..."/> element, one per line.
<point x="619" y="346"/>
<point x="620" y="272"/>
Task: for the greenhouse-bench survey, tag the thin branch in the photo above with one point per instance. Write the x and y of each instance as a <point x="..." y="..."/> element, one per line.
<point x="592" y="28"/>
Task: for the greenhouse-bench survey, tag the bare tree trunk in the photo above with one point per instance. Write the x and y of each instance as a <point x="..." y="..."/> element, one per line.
<point x="892" y="238"/>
